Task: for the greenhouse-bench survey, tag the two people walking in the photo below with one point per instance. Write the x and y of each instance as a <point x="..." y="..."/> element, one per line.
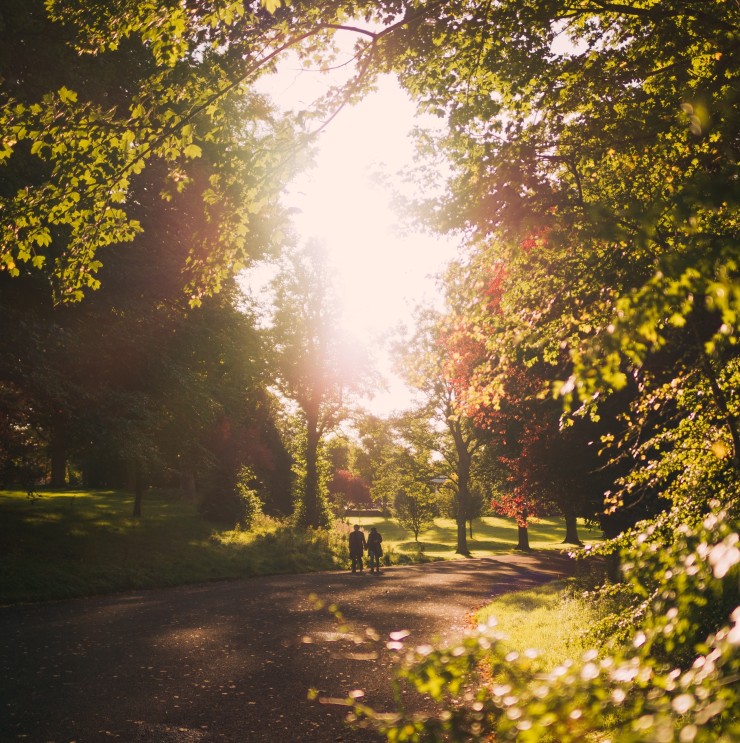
<point x="358" y="544"/>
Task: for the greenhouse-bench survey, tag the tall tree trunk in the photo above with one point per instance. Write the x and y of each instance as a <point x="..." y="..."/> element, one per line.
<point x="571" y="527"/>
<point x="614" y="567"/>
<point x="463" y="491"/>
<point x="523" y="544"/>
<point x="462" y="537"/>
<point x="470" y="522"/>
<point x="138" y="490"/>
<point x="313" y="514"/>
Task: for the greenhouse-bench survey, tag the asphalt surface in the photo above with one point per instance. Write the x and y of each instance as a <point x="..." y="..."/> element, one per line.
<point x="232" y="661"/>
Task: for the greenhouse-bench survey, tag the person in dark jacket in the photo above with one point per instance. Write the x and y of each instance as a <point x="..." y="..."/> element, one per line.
<point x="374" y="550"/>
<point x="357" y="546"/>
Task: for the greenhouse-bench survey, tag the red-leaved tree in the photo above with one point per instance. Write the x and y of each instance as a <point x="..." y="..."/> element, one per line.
<point x="352" y="489"/>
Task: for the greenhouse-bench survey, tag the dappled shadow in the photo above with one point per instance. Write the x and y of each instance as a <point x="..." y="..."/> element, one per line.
<point x="528" y="602"/>
<point x="489" y="545"/>
<point x="232" y="659"/>
<point x="425" y="546"/>
<point x="86" y="554"/>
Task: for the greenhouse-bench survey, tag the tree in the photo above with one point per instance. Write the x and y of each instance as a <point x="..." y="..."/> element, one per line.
<point x="351" y="489"/>
<point x="522" y="507"/>
<point x="404" y="469"/>
<point x="376" y="442"/>
<point x="315" y="368"/>
<point x="415" y="509"/>
<point x="454" y="433"/>
<point x="583" y="189"/>
<point x="479" y="504"/>
<point x="94" y="97"/>
<point x="171" y="77"/>
<point x="133" y="379"/>
<point x="71" y="159"/>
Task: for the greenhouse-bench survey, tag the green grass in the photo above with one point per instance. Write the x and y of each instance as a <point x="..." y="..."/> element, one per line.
<point x="491" y="536"/>
<point x="81" y="543"/>
<point x="550" y="619"/>
<point x="553" y="620"/>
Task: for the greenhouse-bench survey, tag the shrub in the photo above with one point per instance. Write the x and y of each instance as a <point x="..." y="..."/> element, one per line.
<point x="246" y="491"/>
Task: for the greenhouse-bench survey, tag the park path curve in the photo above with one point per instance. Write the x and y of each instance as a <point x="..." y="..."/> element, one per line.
<point x="228" y="661"/>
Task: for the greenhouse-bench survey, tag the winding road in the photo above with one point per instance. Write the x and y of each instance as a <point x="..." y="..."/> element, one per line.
<point x="231" y="661"/>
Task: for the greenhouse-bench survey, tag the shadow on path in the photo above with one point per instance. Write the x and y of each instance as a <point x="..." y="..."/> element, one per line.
<point x="229" y="661"/>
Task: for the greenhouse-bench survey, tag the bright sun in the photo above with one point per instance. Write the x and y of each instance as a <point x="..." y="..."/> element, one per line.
<point x="383" y="270"/>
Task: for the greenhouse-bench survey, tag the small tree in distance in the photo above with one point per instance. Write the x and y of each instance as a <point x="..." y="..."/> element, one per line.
<point x="415" y="509"/>
<point x="405" y="473"/>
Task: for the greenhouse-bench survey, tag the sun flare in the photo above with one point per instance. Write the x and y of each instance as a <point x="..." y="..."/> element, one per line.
<point x="346" y="202"/>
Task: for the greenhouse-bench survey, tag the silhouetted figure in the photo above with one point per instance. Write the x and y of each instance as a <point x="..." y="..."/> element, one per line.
<point x="374" y="550"/>
<point x="357" y="546"/>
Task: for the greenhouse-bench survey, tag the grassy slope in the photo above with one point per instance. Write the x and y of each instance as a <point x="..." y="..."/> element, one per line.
<point x="84" y="543"/>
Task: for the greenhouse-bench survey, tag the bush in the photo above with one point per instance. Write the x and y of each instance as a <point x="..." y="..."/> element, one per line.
<point x="250" y="502"/>
<point x="233" y="498"/>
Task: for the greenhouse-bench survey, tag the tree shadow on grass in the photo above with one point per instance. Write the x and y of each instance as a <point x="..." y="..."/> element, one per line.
<point x="424" y="545"/>
<point x="488" y="545"/>
<point x="529" y="601"/>
<point x="65" y="546"/>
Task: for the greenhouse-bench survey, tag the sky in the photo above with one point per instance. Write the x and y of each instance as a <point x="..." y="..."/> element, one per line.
<point x="384" y="268"/>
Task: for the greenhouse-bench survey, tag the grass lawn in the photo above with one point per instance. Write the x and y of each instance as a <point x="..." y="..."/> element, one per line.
<point x="84" y="543"/>
<point x="491" y="536"/>
<point x="550" y="619"/>
<point x="81" y="543"/>
<point x="554" y="621"/>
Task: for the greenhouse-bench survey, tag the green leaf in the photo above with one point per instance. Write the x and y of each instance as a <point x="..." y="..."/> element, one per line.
<point x="42" y="238"/>
<point x="66" y="95"/>
<point x="192" y="151"/>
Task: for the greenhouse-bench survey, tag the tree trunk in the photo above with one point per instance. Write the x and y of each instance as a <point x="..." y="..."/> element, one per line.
<point x="523" y="539"/>
<point x="312" y="512"/>
<point x="471" y="528"/>
<point x="138" y="491"/>
<point x="463" y="494"/>
<point x="462" y="537"/>
<point x="571" y="528"/>
<point x="613" y="567"/>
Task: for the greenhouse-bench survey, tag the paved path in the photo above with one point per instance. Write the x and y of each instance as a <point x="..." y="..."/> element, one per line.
<point x="228" y="661"/>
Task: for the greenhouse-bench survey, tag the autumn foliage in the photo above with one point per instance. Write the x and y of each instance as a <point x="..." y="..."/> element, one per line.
<point x="350" y="488"/>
